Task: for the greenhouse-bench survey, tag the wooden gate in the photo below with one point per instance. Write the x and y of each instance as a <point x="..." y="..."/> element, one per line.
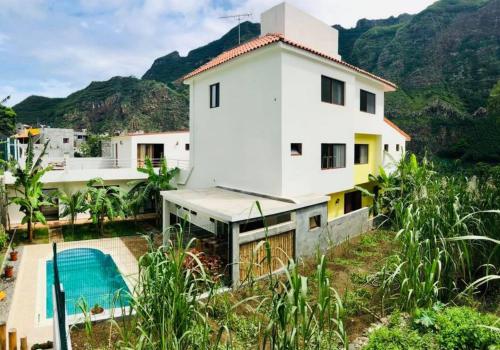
<point x="253" y="257"/>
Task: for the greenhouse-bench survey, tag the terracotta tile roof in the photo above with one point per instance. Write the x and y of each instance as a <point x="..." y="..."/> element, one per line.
<point x="391" y="124"/>
<point x="267" y="40"/>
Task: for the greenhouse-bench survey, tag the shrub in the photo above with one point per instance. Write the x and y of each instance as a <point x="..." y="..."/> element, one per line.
<point x="3" y="237"/>
<point x="464" y="328"/>
<point x="386" y="338"/>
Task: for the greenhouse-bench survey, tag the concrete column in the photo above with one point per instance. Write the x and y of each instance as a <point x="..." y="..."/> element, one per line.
<point x="166" y="221"/>
<point x="235" y="258"/>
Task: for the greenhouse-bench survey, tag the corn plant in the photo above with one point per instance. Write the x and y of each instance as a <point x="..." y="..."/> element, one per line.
<point x="168" y="308"/>
<point x="447" y="231"/>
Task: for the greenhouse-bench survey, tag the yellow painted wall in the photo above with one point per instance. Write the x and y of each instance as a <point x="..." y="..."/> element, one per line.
<point x="336" y="209"/>
<point x="361" y="171"/>
<point x="365" y="200"/>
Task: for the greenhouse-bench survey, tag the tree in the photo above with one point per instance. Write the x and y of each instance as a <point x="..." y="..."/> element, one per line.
<point x="103" y="202"/>
<point x="93" y="146"/>
<point x="74" y="204"/>
<point x="28" y="186"/>
<point x="150" y="188"/>
<point x="7" y="120"/>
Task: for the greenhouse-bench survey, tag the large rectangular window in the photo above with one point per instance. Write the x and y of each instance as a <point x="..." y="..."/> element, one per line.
<point x="360" y="154"/>
<point x="332" y="90"/>
<point x="332" y="155"/>
<point x="367" y="102"/>
<point x="214" y="95"/>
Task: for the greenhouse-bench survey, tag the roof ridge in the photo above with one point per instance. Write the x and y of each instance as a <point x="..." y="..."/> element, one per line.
<point x="268" y="39"/>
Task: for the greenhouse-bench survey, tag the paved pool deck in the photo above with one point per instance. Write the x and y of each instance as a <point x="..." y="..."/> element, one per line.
<point x="28" y="310"/>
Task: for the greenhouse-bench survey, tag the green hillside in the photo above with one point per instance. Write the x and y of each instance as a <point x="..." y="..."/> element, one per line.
<point x="172" y="66"/>
<point x="116" y="104"/>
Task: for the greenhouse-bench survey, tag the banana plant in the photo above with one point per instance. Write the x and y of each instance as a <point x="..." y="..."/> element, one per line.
<point x="73" y="204"/>
<point x="29" y="187"/>
<point x="156" y="182"/>
<point x="103" y="202"/>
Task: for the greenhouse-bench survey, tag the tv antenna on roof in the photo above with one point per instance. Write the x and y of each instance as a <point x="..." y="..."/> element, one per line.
<point x="238" y="17"/>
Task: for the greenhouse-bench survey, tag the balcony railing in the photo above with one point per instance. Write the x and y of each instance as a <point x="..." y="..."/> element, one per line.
<point x="105" y="163"/>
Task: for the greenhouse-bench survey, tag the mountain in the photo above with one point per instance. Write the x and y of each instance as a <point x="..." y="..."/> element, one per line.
<point x="172" y="66"/>
<point x="116" y="104"/>
<point x="445" y="60"/>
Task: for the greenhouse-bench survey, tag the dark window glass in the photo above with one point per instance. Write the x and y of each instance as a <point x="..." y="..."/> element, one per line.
<point x="296" y="149"/>
<point x="332" y="90"/>
<point x="367" y="102"/>
<point x="397" y="147"/>
<point x="314" y="222"/>
<point x="332" y="155"/>
<point x="352" y="201"/>
<point x="65" y="140"/>
<point x="386" y="147"/>
<point x="186" y="146"/>
<point x="214" y="95"/>
<point x="272" y="220"/>
<point x="360" y="154"/>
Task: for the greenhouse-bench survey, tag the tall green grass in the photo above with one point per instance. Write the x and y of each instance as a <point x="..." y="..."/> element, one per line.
<point x="448" y="231"/>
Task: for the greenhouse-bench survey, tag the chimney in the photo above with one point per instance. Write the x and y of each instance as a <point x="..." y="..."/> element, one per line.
<point x="300" y="27"/>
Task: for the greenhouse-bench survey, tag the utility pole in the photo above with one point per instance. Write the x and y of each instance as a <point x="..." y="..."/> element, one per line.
<point x="238" y="17"/>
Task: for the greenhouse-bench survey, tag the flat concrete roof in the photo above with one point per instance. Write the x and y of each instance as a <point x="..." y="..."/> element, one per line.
<point x="233" y="205"/>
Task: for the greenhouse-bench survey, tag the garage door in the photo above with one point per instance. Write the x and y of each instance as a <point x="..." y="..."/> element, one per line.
<point x="253" y="255"/>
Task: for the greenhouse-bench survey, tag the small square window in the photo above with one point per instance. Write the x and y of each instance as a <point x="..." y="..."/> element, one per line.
<point x="186" y="146"/>
<point x="296" y="149"/>
<point x="314" y="222"/>
<point x="65" y="139"/>
<point x="397" y="147"/>
<point x="386" y="147"/>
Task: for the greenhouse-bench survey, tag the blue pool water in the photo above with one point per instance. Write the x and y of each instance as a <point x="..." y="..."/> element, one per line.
<point x="90" y="274"/>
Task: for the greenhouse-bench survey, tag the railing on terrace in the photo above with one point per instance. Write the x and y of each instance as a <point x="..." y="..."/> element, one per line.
<point x="59" y="164"/>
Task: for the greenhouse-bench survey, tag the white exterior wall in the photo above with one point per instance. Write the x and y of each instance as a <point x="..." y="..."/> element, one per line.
<point x="238" y="144"/>
<point x="173" y="146"/>
<point x="269" y="99"/>
<point x="301" y="27"/>
<point x="392" y="137"/>
<point x="308" y="120"/>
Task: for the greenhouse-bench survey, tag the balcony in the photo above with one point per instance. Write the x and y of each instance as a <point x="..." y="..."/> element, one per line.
<point x="84" y="169"/>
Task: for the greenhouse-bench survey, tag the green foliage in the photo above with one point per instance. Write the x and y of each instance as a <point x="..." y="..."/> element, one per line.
<point x="386" y="338"/>
<point x="439" y="328"/>
<point x="3" y="237"/>
<point x="120" y="103"/>
<point x="103" y="202"/>
<point x="7" y="121"/>
<point x="28" y="187"/>
<point x="465" y="328"/>
<point x="447" y="233"/>
<point x="149" y="189"/>
<point x="73" y="204"/>
<point x="92" y="147"/>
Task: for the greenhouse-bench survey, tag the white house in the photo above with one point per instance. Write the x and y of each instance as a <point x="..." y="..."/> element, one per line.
<point x="71" y="174"/>
<point x="283" y="120"/>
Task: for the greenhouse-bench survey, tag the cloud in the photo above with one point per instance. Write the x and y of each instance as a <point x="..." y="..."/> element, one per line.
<point x="51" y="47"/>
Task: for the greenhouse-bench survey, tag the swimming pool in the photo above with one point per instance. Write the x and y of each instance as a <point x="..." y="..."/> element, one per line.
<point x="90" y="274"/>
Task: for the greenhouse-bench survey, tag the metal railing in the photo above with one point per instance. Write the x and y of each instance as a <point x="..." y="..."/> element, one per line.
<point x="61" y="339"/>
<point x="74" y="163"/>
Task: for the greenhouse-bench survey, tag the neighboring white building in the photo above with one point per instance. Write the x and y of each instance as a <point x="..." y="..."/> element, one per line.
<point x="283" y="118"/>
<point x="71" y="174"/>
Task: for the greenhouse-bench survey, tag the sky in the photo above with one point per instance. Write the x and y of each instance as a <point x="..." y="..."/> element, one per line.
<point x="55" y="47"/>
